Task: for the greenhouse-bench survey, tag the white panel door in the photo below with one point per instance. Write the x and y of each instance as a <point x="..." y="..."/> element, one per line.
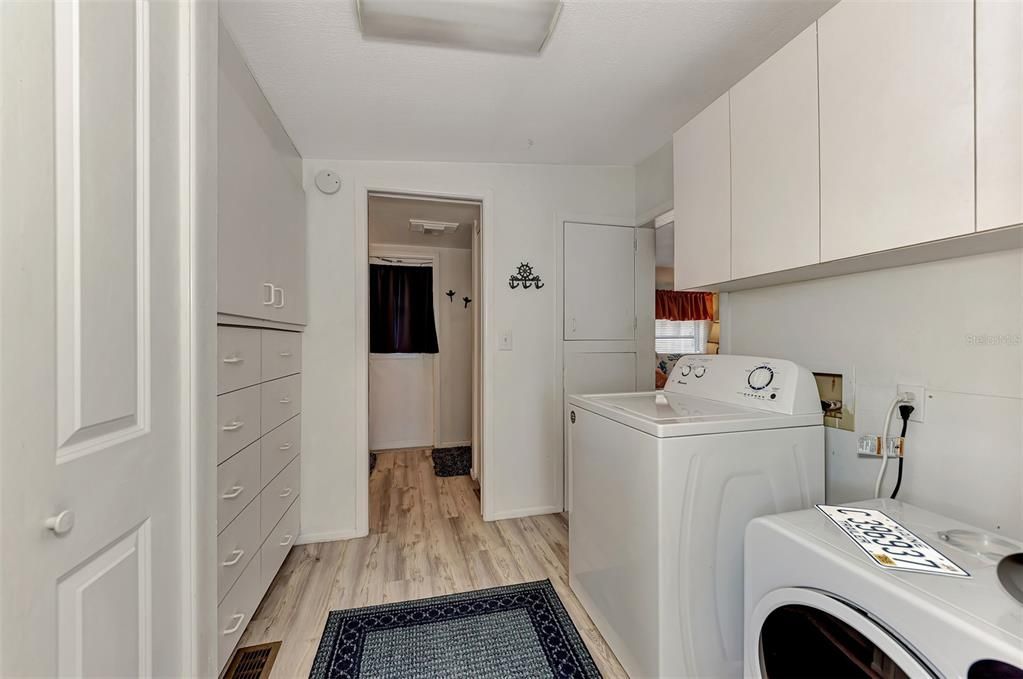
<point x="999" y="113"/>
<point x="600" y="282"/>
<point x="703" y="210"/>
<point x="94" y="218"/>
<point x="775" y="162"/>
<point x="896" y="124"/>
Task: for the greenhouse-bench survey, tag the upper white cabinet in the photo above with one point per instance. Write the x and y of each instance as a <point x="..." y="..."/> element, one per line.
<point x="896" y="124"/>
<point x="775" y="170"/>
<point x="703" y="199"/>
<point x="261" y="239"/>
<point x="999" y="113"/>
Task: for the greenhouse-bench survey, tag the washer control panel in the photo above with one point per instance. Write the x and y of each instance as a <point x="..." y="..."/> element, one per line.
<point x="770" y="384"/>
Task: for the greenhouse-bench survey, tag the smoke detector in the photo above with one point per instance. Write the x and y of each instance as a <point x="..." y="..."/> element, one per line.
<point x="431" y="228"/>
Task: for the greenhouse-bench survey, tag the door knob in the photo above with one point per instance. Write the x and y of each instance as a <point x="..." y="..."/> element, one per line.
<point x="62" y="523"/>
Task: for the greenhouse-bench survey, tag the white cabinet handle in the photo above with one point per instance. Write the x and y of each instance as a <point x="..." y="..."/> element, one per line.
<point x="287" y="540"/>
<point x="233" y="493"/>
<point x="268" y="300"/>
<point x="285" y="354"/>
<point x="238" y="618"/>
<point x="286" y="492"/>
<point x="280" y="290"/>
<point x="286" y="446"/>
<point x="234" y="426"/>
<point x="285" y="400"/>
<point x="237" y="556"/>
<point x="231" y="360"/>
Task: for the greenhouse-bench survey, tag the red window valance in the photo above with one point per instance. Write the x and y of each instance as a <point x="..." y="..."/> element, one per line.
<point x="684" y="306"/>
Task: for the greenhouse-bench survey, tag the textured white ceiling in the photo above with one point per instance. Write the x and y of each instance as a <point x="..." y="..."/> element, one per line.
<point x="388" y="221"/>
<point x="616" y="79"/>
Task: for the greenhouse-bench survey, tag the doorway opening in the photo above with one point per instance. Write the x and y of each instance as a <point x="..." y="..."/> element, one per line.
<point x="424" y="323"/>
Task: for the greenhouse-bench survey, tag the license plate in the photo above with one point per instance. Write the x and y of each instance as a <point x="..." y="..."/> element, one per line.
<point x="890" y="544"/>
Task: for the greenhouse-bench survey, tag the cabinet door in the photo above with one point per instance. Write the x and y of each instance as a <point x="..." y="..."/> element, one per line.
<point x="775" y="171"/>
<point x="288" y="255"/>
<point x="896" y="124"/>
<point x="999" y="113"/>
<point x="600" y="282"/>
<point x="703" y="219"/>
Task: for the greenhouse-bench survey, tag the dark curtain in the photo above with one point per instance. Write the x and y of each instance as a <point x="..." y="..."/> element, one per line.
<point x="684" y="306"/>
<point x="401" y="310"/>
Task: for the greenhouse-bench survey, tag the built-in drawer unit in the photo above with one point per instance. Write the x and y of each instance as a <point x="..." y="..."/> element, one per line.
<point x="279" y="543"/>
<point x="236" y="546"/>
<point x="239" y="358"/>
<point x="278" y="496"/>
<point x="238" y="482"/>
<point x="259" y="441"/>
<point x="282" y="400"/>
<point x="236" y="610"/>
<point x="280" y="447"/>
<point x="281" y="353"/>
<point x="237" y="421"/>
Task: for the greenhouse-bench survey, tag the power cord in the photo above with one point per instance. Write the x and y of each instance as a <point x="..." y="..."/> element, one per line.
<point x="906" y="397"/>
<point x="904" y="412"/>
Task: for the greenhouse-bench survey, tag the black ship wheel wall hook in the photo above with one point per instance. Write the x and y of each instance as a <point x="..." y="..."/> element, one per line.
<point x="525" y="277"/>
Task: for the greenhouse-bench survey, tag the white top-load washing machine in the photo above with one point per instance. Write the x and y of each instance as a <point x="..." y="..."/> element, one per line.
<point x="663" y="485"/>
<point x="818" y="605"/>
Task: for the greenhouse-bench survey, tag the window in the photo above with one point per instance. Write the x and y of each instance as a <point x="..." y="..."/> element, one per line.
<point x="681" y="337"/>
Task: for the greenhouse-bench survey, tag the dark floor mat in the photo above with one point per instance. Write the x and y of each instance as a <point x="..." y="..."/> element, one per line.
<point x="452" y="461"/>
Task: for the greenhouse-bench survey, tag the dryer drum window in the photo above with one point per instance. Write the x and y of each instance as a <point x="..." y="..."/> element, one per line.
<point x="802" y="641"/>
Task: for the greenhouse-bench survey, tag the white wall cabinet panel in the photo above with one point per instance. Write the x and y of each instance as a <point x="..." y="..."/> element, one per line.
<point x="896" y="124"/>
<point x="282" y="353"/>
<point x="999" y="113"/>
<point x="237" y="484"/>
<point x="775" y="162"/>
<point x="703" y="219"/>
<point x="238" y="358"/>
<point x="600" y="280"/>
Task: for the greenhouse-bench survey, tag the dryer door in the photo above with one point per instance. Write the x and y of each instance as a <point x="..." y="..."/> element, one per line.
<point x="796" y="632"/>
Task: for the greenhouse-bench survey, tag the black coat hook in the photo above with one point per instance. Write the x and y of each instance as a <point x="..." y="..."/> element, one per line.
<point x="525" y="277"/>
<point x="466" y="300"/>
<point x="451" y="295"/>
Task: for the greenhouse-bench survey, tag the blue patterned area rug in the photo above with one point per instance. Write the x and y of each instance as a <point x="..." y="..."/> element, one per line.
<point x="503" y="632"/>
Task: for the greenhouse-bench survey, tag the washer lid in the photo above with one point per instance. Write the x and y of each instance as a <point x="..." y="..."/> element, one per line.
<point x="666" y="414"/>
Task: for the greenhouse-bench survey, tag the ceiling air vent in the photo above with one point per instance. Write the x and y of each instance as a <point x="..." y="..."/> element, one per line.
<point x="431" y="228"/>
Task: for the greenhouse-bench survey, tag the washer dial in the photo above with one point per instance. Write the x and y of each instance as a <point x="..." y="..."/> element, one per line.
<point x="685" y="369"/>
<point x="699" y="371"/>
<point x="760" y="377"/>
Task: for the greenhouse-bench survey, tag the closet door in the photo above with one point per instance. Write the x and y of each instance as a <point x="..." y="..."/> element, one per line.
<point x="288" y="251"/>
<point x="896" y="124"/>
<point x="600" y="280"/>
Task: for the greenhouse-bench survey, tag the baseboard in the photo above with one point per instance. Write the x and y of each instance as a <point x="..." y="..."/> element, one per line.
<point x="329" y="536"/>
<point x="455" y="444"/>
<point x="528" y="511"/>
<point x="401" y="445"/>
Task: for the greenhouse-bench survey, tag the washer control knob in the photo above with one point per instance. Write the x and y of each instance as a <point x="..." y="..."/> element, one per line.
<point x="699" y="371"/>
<point x="685" y="369"/>
<point x="760" y="377"/>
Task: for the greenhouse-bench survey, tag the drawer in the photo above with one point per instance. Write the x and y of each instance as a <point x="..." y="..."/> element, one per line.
<point x="237" y="484"/>
<point x="238" y="358"/>
<point x="237" y="421"/>
<point x="277" y="545"/>
<point x="279" y="447"/>
<point x="235" y="611"/>
<point x="278" y="496"/>
<point x="281" y="353"/>
<point x="236" y="546"/>
<point x="282" y="400"/>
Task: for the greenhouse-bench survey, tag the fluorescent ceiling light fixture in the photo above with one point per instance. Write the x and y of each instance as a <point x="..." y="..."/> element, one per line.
<point x="431" y="228"/>
<point x="511" y="26"/>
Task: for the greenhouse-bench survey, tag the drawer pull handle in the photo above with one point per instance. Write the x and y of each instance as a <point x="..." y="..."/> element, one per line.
<point x="285" y="401"/>
<point x="238" y="619"/>
<point x="233" y="493"/>
<point x="285" y="354"/>
<point x="285" y="493"/>
<point x="286" y="446"/>
<point x="231" y="360"/>
<point x="234" y="426"/>
<point x="287" y="540"/>
<point x="237" y="556"/>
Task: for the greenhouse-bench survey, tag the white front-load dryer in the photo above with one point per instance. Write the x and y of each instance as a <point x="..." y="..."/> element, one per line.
<point x="818" y="606"/>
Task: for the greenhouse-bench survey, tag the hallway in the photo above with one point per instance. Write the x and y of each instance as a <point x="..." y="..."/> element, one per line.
<point x="427" y="538"/>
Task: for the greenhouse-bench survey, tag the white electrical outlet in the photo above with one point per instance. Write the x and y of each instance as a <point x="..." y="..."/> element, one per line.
<point x="919" y="400"/>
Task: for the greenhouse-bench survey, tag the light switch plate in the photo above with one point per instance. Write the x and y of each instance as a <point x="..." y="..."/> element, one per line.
<point x="919" y="400"/>
<point x="506" y="341"/>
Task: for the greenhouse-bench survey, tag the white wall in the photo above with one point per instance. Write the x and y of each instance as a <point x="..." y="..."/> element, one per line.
<point x="913" y="325"/>
<point x="655" y="185"/>
<point x="455" y="273"/>
<point x="522" y="415"/>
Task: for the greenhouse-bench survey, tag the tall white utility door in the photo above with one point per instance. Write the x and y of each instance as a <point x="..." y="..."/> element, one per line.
<point x="91" y="440"/>
<point x="600" y="280"/>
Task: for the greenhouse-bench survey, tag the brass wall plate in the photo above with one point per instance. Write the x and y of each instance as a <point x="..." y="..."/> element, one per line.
<point x="837" y="413"/>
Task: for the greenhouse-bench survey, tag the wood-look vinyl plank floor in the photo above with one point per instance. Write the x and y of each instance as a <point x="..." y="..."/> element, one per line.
<point x="427" y="538"/>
